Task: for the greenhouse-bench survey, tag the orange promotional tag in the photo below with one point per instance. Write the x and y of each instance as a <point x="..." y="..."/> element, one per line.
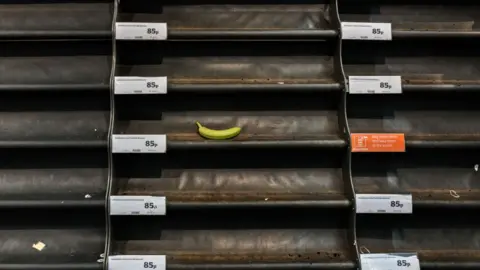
<point x="378" y="142"/>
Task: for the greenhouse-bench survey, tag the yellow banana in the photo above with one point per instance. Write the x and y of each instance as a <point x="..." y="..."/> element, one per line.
<point x="218" y="134"/>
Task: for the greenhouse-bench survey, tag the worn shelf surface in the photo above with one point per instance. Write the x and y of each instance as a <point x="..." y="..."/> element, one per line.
<point x="450" y="19"/>
<point x="446" y="65"/>
<point x="53" y="187"/>
<point x="291" y="120"/>
<point x="41" y="121"/>
<point x="265" y="64"/>
<point x="68" y="243"/>
<point x="55" y="19"/>
<point x="436" y="119"/>
<point x="55" y="65"/>
<point x="435" y="178"/>
<point x="228" y="240"/>
<point x="243" y="187"/>
<point x="436" y="238"/>
<point x="239" y="20"/>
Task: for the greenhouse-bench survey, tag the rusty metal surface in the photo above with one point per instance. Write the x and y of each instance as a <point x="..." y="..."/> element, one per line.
<point x="56" y="17"/>
<point x="53" y="184"/>
<point x="280" y="125"/>
<point x="239" y="185"/>
<point x="240" y="17"/>
<point x="268" y="245"/>
<point x="241" y="70"/>
<point x="464" y="18"/>
<point x="48" y="126"/>
<point x="235" y="63"/>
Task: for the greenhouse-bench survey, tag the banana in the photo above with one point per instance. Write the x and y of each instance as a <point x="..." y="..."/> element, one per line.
<point x="218" y="134"/>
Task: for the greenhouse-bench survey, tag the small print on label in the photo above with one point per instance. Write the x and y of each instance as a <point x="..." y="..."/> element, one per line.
<point x="378" y="142"/>
<point x="122" y="143"/>
<point x="383" y="203"/>
<point x="137" y="206"/>
<point x="140" y="85"/>
<point x="389" y="261"/>
<point x="140" y="31"/>
<point x="366" y="31"/>
<point x="375" y="84"/>
<point x="136" y="262"/>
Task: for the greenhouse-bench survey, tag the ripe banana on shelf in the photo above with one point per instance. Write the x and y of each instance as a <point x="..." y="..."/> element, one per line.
<point x="218" y="134"/>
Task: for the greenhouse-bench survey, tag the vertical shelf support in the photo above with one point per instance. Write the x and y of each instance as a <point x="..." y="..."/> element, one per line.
<point x="108" y="238"/>
<point x="347" y="164"/>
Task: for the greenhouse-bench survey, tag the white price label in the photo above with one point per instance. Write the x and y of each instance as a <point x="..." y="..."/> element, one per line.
<point x="366" y="31"/>
<point x="140" y="85"/>
<point x="390" y="261"/>
<point x="375" y="84"/>
<point x="138" y="206"/>
<point x="122" y="143"/>
<point x="384" y="203"/>
<point x="140" y="31"/>
<point x="136" y="262"/>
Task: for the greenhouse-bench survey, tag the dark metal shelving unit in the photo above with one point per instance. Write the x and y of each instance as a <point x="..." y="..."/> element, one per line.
<point x="55" y="61"/>
<point x="282" y="195"/>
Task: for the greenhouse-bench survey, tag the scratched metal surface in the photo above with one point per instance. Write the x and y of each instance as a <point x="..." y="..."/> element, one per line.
<point x="191" y="17"/>
<point x="240" y="185"/>
<point x="260" y="125"/>
<point x="421" y="17"/>
<point x="247" y="69"/>
<point x="421" y="62"/>
<point x="246" y="245"/>
<point x="53" y="184"/>
<point x="442" y="175"/>
<point x="56" y="16"/>
<point x="423" y="69"/>
<point x="242" y="63"/>
<point x="443" y="116"/>
<point x="435" y="237"/>
<point x="78" y="237"/>
<point x="55" y="70"/>
<point x="423" y="183"/>
<point x="49" y="126"/>
<point x="64" y="62"/>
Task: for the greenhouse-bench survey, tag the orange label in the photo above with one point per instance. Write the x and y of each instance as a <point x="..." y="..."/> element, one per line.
<point x="378" y="142"/>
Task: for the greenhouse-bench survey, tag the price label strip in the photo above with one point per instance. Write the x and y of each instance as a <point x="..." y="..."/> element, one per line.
<point x="140" y="85"/>
<point x="375" y="84"/>
<point x="389" y="261"/>
<point x="138" y="206"/>
<point x="384" y="203"/>
<point x="366" y="31"/>
<point x="122" y="143"/>
<point x="140" y="31"/>
<point x="136" y="262"/>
